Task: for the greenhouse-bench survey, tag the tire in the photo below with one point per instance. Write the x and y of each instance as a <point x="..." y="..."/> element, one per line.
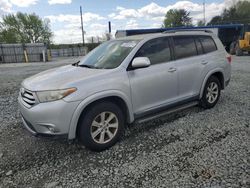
<point x="95" y="129"/>
<point x="209" y="100"/>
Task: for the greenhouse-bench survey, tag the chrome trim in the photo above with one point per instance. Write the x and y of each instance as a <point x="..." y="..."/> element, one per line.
<point x="28" y="98"/>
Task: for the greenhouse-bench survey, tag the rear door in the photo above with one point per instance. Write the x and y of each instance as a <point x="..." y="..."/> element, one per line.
<point x="189" y="62"/>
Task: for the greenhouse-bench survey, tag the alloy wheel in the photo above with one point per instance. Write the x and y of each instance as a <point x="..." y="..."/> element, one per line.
<point x="212" y="92"/>
<point x="104" y="127"/>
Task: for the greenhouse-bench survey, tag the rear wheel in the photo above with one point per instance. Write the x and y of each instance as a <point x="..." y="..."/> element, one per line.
<point x="101" y="127"/>
<point x="211" y="93"/>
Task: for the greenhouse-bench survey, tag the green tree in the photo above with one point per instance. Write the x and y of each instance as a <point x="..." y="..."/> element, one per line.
<point x="24" y="28"/>
<point x="177" y="18"/>
<point x="216" y="20"/>
<point x="237" y="13"/>
<point x="200" y="23"/>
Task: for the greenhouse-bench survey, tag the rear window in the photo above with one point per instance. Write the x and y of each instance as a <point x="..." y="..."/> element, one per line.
<point x="208" y="44"/>
<point x="184" y="46"/>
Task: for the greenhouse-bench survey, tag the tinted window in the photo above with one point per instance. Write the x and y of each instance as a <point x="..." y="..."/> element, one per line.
<point x="198" y="46"/>
<point x="208" y="44"/>
<point x="157" y="50"/>
<point x="184" y="46"/>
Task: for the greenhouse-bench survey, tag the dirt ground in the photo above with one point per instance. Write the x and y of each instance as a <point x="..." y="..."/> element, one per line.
<point x="192" y="148"/>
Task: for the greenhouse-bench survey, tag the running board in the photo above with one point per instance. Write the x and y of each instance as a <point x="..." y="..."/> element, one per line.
<point x="169" y="111"/>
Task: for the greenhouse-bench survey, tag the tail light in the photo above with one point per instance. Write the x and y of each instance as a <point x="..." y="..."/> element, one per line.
<point x="229" y="59"/>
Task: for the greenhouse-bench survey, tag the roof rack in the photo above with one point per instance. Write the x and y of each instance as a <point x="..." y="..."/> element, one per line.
<point x="180" y="30"/>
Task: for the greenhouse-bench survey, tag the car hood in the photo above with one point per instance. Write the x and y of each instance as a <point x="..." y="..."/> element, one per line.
<point x="60" y="78"/>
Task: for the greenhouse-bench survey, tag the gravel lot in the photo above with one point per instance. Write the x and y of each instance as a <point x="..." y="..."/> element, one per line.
<point x="193" y="148"/>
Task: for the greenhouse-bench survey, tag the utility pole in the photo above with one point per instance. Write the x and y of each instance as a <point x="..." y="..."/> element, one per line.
<point x="82" y="25"/>
<point x="204" y="12"/>
<point x="109" y="24"/>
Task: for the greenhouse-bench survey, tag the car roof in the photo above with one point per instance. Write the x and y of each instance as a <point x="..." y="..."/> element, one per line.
<point x="172" y="33"/>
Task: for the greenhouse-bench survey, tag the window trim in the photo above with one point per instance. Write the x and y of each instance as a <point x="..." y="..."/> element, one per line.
<point x="202" y="49"/>
<point x="129" y="68"/>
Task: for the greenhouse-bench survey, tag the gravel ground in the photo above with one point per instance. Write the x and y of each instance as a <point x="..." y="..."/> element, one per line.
<point x="192" y="148"/>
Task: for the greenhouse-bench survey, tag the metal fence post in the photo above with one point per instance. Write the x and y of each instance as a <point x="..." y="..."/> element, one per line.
<point x="15" y="52"/>
<point x="2" y="53"/>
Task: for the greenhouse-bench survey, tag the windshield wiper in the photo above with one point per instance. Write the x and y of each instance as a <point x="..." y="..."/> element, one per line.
<point x="88" y="66"/>
<point x="76" y="64"/>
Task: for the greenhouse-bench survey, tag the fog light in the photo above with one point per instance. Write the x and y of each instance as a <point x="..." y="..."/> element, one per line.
<point x="52" y="129"/>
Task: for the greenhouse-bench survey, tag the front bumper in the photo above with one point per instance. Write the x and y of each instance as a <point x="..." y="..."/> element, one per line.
<point x="50" y="119"/>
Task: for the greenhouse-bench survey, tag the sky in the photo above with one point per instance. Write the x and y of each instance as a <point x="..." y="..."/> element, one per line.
<point x="64" y="15"/>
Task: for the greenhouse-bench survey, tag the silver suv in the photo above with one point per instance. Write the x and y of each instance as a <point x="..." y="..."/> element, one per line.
<point x="130" y="79"/>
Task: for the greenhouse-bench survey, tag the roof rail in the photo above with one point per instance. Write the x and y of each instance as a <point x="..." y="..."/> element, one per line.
<point x="180" y="30"/>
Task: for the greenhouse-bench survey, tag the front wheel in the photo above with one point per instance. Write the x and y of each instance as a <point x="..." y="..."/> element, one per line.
<point x="211" y="93"/>
<point x="101" y="127"/>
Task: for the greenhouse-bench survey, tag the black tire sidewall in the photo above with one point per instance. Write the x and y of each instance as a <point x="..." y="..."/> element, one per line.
<point x="204" y="102"/>
<point x="84" y="130"/>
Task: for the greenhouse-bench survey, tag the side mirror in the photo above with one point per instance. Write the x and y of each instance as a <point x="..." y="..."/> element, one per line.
<point x="140" y="62"/>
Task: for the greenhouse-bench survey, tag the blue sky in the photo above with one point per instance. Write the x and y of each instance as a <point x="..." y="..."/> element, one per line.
<point x="124" y="14"/>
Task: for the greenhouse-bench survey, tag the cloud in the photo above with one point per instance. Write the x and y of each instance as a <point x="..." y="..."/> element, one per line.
<point x="71" y="30"/>
<point x="67" y="36"/>
<point x="152" y="10"/>
<point x="23" y="3"/>
<point x="72" y="35"/>
<point x="131" y="24"/>
<point x="156" y="12"/>
<point x="120" y="8"/>
<point x="5" y="7"/>
<point x="127" y="13"/>
<point x="53" y="2"/>
<point x="72" y="18"/>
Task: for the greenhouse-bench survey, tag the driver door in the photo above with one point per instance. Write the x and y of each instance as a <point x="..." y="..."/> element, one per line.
<point x="155" y="86"/>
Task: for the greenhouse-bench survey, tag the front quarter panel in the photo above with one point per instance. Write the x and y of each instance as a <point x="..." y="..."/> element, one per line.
<point x="95" y="97"/>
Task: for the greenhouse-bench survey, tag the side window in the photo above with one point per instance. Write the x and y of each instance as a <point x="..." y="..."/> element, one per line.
<point x="184" y="46"/>
<point x="198" y="46"/>
<point x="208" y="44"/>
<point x="157" y="50"/>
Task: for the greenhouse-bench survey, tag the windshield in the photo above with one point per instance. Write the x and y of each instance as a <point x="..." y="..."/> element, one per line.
<point x="109" y="55"/>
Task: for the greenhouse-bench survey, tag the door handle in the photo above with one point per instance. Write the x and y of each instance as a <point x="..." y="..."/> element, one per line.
<point x="204" y="62"/>
<point x="172" y="69"/>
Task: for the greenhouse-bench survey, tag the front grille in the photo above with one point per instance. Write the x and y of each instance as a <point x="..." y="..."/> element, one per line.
<point x="28" y="98"/>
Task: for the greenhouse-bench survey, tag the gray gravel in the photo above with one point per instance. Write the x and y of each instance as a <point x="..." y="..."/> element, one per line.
<point x="192" y="148"/>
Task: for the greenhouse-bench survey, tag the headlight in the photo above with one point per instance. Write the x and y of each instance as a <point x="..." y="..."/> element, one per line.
<point x="47" y="96"/>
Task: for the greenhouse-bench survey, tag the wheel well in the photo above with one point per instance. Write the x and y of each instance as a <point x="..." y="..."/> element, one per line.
<point x="114" y="99"/>
<point x="220" y="77"/>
